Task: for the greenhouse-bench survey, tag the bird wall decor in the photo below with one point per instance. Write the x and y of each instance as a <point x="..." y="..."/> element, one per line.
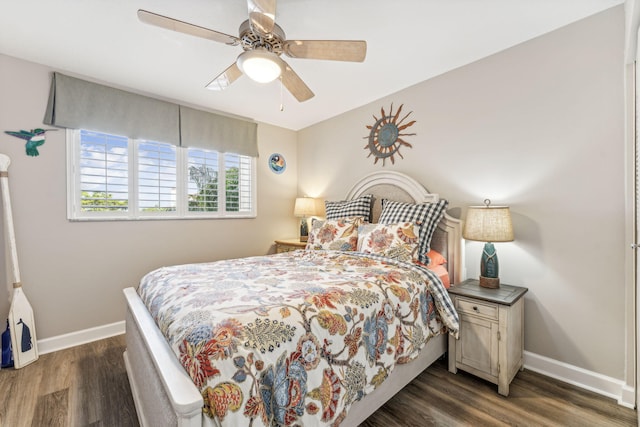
<point x="34" y="138"/>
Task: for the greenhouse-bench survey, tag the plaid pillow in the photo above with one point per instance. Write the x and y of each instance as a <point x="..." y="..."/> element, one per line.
<point x="350" y="208"/>
<point x="425" y="215"/>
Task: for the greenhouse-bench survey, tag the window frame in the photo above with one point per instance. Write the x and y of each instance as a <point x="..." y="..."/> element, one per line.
<point x="74" y="192"/>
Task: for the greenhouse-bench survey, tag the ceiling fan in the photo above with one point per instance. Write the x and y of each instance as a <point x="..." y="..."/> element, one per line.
<point x="264" y="42"/>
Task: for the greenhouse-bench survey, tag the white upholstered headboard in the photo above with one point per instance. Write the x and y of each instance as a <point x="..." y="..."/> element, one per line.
<point x="447" y="239"/>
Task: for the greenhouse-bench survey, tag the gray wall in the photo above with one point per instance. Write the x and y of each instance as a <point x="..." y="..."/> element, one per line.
<point x="73" y="272"/>
<point x="539" y="127"/>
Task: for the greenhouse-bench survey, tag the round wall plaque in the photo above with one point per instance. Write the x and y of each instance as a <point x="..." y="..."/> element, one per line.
<point x="277" y="163"/>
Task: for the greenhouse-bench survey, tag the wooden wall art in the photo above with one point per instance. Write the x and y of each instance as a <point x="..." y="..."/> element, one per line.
<point x="21" y="323"/>
<point x="385" y="135"/>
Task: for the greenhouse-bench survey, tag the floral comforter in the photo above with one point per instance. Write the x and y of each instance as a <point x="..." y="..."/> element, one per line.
<point x="294" y="338"/>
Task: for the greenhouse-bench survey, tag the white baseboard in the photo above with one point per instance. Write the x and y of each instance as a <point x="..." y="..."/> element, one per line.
<point x="614" y="388"/>
<point x="72" y="339"/>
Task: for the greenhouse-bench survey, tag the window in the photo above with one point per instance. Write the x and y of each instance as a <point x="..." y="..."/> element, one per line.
<point x="115" y="177"/>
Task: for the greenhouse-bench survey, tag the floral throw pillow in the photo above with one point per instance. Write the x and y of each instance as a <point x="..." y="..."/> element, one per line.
<point x="398" y="241"/>
<point x="425" y="215"/>
<point x="337" y="235"/>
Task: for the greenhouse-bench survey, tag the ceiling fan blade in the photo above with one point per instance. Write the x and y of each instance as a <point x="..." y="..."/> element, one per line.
<point x="186" y="28"/>
<point x="262" y="15"/>
<point x="294" y="83"/>
<point x="334" y="50"/>
<point x="224" y="79"/>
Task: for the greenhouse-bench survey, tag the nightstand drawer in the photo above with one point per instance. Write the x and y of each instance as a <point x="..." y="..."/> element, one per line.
<point x="473" y="307"/>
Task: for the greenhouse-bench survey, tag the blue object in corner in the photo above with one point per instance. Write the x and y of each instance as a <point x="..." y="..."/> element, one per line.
<point x="7" y="354"/>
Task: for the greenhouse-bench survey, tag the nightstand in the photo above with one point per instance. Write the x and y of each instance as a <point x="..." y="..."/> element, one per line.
<point x="287" y="245"/>
<point x="491" y="342"/>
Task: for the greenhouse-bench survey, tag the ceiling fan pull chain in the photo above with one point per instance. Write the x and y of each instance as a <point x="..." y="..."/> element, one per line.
<point x="281" y="95"/>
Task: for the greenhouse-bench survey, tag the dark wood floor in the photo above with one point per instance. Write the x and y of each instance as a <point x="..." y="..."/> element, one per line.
<point x="81" y="386"/>
<point x="87" y="386"/>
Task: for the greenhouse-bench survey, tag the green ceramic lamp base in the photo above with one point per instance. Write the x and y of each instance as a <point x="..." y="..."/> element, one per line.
<point x="304" y="230"/>
<point x="489" y="267"/>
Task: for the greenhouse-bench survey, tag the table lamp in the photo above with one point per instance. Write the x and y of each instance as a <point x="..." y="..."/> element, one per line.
<point x="488" y="224"/>
<point x="304" y="208"/>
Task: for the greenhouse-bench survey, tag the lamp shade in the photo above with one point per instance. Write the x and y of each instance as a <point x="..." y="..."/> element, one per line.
<point x="260" y="65"/>
<point x="488" y="224"/>
<point x="305" y="207"/>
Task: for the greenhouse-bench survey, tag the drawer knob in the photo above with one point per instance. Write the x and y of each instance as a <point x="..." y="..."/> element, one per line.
<point x="475" y="308"/>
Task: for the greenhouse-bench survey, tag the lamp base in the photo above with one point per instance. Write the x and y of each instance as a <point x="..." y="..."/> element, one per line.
<point x="490" y="282"/>
<point x="304" y="230"/>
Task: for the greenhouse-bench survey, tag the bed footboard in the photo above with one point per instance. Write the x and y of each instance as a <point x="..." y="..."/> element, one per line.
<point x="165" y="395"/>
<point x="399" y="378"/>
<point x="162" y="391"/>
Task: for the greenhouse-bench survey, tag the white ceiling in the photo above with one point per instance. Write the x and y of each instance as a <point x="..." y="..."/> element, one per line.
<point x="408" y="41"/>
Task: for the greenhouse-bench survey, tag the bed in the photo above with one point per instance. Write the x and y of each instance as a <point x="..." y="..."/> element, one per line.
<point x="164" y="394"/>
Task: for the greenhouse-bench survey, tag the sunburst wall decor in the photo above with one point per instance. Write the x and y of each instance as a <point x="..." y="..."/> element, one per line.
<point x="385" y="135"/>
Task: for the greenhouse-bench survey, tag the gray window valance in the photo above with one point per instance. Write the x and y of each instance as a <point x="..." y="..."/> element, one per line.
<point x="214" y="132"/>
<point x="79" y="104"/>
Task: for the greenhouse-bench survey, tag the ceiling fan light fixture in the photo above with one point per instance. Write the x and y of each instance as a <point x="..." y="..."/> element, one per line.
<point x="261" y="66"/>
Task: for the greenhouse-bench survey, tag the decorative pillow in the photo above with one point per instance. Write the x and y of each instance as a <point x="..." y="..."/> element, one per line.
<point x="338" y="235"/>
<point x="398" y="241"/>
<point x="436" y="258"/>
<point x="425" y="215"/>
<point x="350" y="208"/>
